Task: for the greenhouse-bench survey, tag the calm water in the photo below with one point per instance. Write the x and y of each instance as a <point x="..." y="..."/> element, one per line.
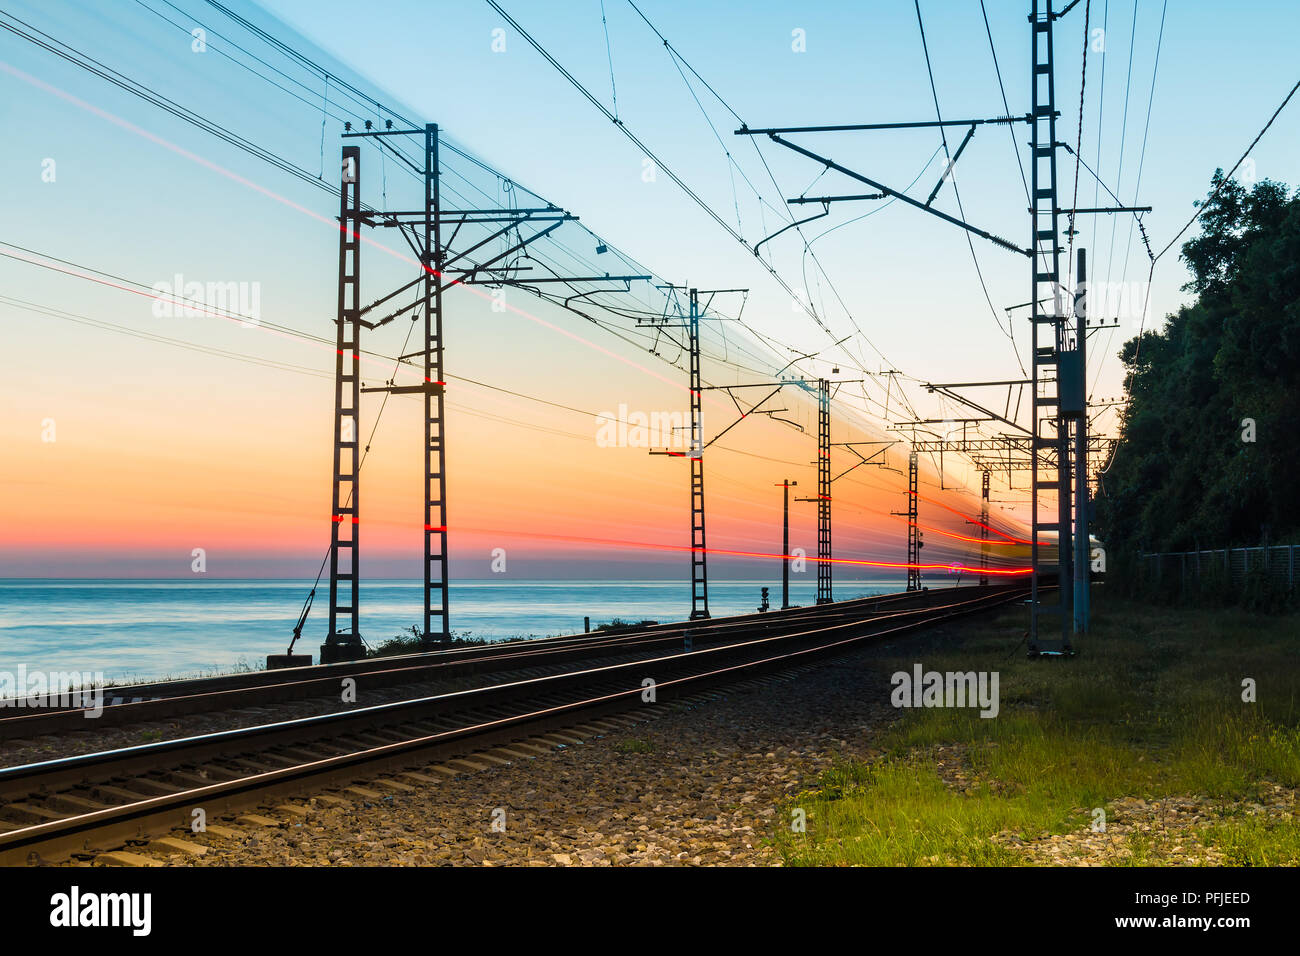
<point x="143" y="629"/>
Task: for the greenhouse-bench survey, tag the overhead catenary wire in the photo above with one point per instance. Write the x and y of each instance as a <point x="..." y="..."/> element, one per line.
<point x="952" y="177"/>
<point x="1078" y="143"/>
<point x="190" y="116"/>
<point x="623" y="127"/>
<point x="1202" y="208"/>
<point x="1110" y="334"/>
<point x="1123" y="140"/>
<point x="328" y="85"/>
<point x="783" y="211"/>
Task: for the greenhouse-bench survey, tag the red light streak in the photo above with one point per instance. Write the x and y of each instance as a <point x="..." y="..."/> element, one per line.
<point x="648" y="546"/>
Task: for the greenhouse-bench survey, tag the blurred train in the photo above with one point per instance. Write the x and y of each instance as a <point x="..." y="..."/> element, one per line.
<point x="1006" y="555"/>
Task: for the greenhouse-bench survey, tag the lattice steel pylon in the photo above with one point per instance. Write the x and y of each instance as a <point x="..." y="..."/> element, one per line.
<point x="984" y="527"/>
<point x="825" y="481"/>
<point x="424" y="224"/>
<point x="694" y="450"/>
<point x="479" y="261"/>
<point x="343" y="640"/>
<point x="699" y="547"/>
<point x="914" y="542"/>
<point x="696" y="444"/>
<point x="824" y="551"/>
<point x="436" y="585"/>
<point x="1054" y="372"/>
<point x="823" y="499"/>
<point x="1059" y="400"/>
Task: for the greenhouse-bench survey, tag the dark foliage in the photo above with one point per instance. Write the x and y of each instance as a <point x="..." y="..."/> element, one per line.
<point x="1182" y="476"/>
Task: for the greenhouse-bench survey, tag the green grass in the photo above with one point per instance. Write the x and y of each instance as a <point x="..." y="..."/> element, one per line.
<point x="633" y="745"/>
<point x="412" y="643"/>
<point x="1249" y="841"/>
<point x="1150" y="708"/>
<point x="619" y="625"/>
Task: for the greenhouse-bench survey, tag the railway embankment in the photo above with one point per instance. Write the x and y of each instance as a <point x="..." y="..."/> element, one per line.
<point x="1173" y="738"/>
<point x="1170" y="740"/>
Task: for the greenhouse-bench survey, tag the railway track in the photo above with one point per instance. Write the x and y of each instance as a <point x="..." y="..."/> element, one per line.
<point x="100" y="801"/>
<point x="168" y="699"/>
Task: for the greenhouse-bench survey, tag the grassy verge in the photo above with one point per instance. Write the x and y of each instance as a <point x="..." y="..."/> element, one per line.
<point x="1147" y="725"/>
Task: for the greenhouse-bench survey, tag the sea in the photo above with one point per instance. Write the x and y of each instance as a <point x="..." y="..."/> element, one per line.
<point x="138" y="629"/>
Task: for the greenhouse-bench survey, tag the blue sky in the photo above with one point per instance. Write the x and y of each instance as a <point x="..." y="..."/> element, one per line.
<point x="190" y="438"/>
<point x="908" y="279"/>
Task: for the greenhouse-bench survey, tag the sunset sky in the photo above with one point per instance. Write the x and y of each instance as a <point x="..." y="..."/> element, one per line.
<point x="183" y="432"/>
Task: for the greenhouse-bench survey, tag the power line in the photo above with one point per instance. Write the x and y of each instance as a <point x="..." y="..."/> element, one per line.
<point x="659" y="164"/>
<point x="1123" y="139"/>
<point x="1078" y="142"/>
<point x="808" y="252"/>
<point x="194" y="118"/>
<point x="1227" y="176"/>
<point x="156" y="99"/>
<point x="52" y="312"/>
<point x="609" y="55"/>
<point x="1006" y="108"/>
<point x="1101" y="110"/>
<point x="201" y="122"/>
<point x="220" y="313"/>
<point x="1204" y="206"/>
<point x="952" y="175"/>
<point x="1110" y="335"/>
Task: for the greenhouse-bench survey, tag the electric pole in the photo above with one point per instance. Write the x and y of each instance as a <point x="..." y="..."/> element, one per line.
<point x="823" y="498"/>
<point x="984" y="528"/>
<point x="785" y="542"/>
<point x="699" y="549"/>
<point x="439" y="269"/>
<point x="915" y="540"/>
<point x="343" y="640"/>
<point x="1082" y="549"/>
<point x="696" y="446"/>
<point x="1057" y="438"/>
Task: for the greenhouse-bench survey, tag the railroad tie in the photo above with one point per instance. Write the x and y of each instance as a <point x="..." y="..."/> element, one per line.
<point x="471" y="765"/>
<point x="257" y="820"/>
<point x="420" y="778"/>
<point x="172" y="844"/>
<point x="226" y="833"/>
<point x="490" y="757"/>
<point x="123" y="858"/>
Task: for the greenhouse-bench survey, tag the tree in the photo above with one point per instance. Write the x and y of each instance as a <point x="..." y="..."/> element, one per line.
<point x="1183" y="476"/>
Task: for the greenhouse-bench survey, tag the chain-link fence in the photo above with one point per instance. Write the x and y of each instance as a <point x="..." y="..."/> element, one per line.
<point x="1233" y="566"/>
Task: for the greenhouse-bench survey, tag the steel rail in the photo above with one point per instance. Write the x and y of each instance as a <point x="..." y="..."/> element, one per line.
<point x="601" y="690"/>
<point x="180" y="698"/>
